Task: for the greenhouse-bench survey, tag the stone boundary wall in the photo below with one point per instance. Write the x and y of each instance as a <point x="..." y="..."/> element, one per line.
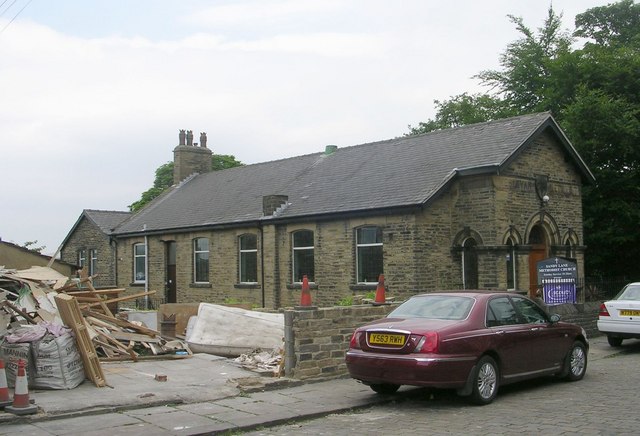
<point x="317" y="339"/>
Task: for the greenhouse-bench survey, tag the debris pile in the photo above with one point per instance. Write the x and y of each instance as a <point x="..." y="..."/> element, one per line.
<point x="263" y="362"/>
<point x="40" y="307"/>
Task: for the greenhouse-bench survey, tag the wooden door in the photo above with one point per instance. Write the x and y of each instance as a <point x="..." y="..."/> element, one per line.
<point x="538" y="242"/>
<point x="171" y="287"/>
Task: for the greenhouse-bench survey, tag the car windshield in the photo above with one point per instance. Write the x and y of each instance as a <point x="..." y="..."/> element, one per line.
<point x="434" y="307"/>
<point x="630" y="292"/>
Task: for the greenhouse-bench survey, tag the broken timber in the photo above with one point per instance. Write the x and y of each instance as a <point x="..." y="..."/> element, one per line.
<point x="72" y="317"/>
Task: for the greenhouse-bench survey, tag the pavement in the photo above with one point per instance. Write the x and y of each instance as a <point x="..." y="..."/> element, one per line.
<point x="202" y="394"/>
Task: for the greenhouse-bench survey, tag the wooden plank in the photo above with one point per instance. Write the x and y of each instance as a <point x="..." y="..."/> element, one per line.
<point x="121" y="348"/>
<point x="125" y="336"/>
<point x="25" y="315"/>
<point x="150" y="357"/>
<point x="83" y="293"/>
<point x="72" y="317"/>
<point x="129" y="297"/>
<point x="103" y="305"/>
<point x="123" y="323"/>
<point x="104" y="324"/>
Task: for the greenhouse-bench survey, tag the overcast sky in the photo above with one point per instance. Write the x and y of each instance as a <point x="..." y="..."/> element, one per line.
<point x="94" y="92"/>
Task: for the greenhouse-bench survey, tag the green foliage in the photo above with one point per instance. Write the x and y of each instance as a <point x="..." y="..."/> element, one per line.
<point x="31" y="245"/>
<point x="594" y="93"/>
<point x="463" y="109"/>
<point x="616" y="24"/>
<point x="164" y="178"/>
<point x="346" y="301"/>
<point x="527" y="65"/>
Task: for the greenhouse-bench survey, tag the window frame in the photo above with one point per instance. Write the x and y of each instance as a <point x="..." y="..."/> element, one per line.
<point x="136" y="258"/>
<point x="93" y="261"/>
<point x="511" y="266"/>
<point x="298" y="251"/>
<point x="82" y="257"/>
<point x="470" y="265"/>
<point x="361" y="246"/>
<point x="242" y="254"/>
<point x="201" y="255"/>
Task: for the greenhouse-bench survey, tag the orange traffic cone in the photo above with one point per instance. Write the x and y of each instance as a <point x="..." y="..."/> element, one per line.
<point x="21" y="404"/>
<point x="4" y="388"/>
<point x="380" y="297"/>
<point x="305" y="297"/>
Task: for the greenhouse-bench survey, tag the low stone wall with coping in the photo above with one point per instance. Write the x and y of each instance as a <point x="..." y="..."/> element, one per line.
<point x="317" y="339"/>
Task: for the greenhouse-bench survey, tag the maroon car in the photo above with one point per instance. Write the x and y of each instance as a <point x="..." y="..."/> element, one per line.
<point x="469" y="341"/>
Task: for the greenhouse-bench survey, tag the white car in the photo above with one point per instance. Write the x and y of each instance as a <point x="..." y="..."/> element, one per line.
<point x="620" y="318"/>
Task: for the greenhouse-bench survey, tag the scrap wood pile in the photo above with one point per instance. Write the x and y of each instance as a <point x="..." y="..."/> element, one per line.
<point x="41" y="296"/>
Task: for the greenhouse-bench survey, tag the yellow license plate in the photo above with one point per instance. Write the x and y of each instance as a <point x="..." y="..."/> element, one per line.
<point x="630" y="313"/>
<point x="386" y="339"/>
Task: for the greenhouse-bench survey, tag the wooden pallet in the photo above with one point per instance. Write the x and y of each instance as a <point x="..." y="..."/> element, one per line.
<point x="70" y="313"/>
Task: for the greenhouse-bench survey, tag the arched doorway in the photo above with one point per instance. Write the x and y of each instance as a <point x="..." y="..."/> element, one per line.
<point x="539" y="251"/>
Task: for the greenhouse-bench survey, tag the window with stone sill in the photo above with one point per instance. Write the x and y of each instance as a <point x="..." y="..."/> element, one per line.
<point x="201" y="260"/>
<point x="248" y="259"/>
<point x="302" y="243"/>
<point x="93" y="262"/>
<point x="139" y="263"/>
<point x="82" y="258"/>
<point x="369" y="257"/>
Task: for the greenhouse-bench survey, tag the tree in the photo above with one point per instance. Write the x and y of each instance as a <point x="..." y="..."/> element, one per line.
<point x="164" y="178"/>
<point x="528" y="66"/>
<point x="594" y="94"/>
<point x="31" y="245"/>
<point x="617" y="24"/>
<point x="463" y="109"/>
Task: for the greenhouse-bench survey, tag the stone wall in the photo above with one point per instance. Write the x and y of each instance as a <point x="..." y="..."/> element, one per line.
<point x="316" y="340"/>
<point x="88" y="236"/>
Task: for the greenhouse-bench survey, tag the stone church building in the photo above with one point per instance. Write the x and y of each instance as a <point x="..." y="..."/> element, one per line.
<point x="465" y="208"/>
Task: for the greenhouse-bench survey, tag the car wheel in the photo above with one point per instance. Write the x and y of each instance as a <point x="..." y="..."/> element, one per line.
<point x="384" y="388"/>
<point x="576" y="362"/>
<point x="614" y="341"/>
<point x="485" y="381"/>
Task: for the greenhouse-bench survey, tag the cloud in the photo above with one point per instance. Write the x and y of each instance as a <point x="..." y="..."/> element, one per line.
<point x="87" y="119"/>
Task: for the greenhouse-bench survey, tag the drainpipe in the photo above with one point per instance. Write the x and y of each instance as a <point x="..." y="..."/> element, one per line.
<point x="264" y="299"/>
<point x="146" y="269"/>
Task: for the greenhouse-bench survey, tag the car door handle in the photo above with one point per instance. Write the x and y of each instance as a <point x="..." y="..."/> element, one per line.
<point x="535" y="329"/>
<point x="500" y="332"/>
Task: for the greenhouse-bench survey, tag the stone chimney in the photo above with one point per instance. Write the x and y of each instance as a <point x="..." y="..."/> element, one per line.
<point x="272" y="203"/>
<point x="188" y="158"/>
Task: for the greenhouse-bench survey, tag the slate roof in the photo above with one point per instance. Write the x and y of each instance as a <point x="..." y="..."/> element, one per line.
<point x="105" y="220"/>
<point x="401" y="172"/>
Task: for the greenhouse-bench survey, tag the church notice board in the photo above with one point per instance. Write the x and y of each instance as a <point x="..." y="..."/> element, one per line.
<point x="557" y="277"/>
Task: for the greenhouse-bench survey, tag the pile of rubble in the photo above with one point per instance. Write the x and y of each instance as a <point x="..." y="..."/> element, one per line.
<point x="63" y="327"/>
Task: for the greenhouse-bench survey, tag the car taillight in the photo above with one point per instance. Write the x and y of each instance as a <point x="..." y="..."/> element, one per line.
<point x="428" y="343"/>
<point x="603" y="310"/>
<point x="355" y="340"/>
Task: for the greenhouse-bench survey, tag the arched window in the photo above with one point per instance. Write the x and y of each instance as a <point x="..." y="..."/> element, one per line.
<point x="469" y="264"/>
<point x="248" y="265"/>
<point x="569" y="251"/>
<point x="303" y="256"/>
<point x="369" y="254"/>
<point x="511" y="264"/>
<point x="201" y="260"/>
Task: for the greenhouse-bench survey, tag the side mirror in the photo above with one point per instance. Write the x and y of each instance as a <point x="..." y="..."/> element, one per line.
<point x="555" y="318"/>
